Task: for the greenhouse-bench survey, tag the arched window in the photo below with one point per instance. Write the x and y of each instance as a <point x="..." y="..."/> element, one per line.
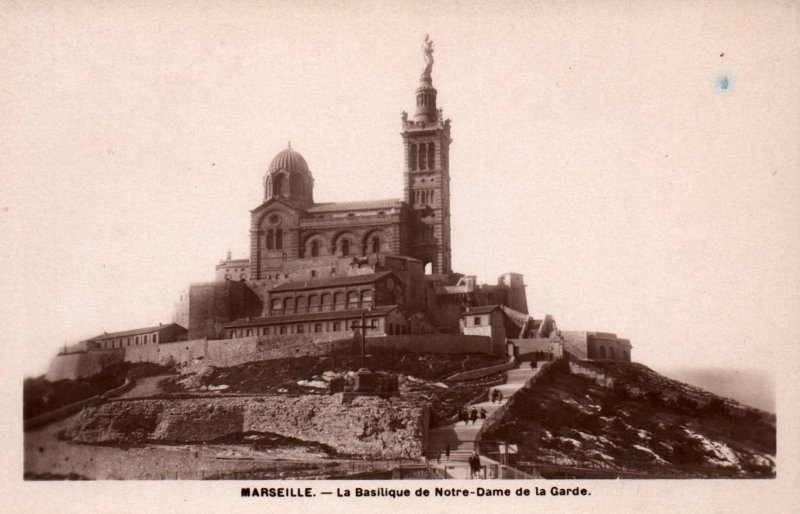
<point x="352" y="300"/>
<point x="313" y="303"/>
<point x="625" y="356"/>
<point x="422" y="158"/>
<point x="279" y="239"/>
<point x="278" y="186"/>
<point x="338" y="300"/>
<point x="270" y="239"/>
<point x="315" y="248"/>
<point x="288" y="305"/>
<point x="345" y="247"/>
<point x="376" y="244"/>
<point x="302" y="305"/>
<point x="366" y="299"/>
<point x="431" y="155"/>
<point x="297" y="186"/>
<point x="602" y="352"/>
<point x="412" y="156"/>
<point x="611" y="353"/>
<point x="326" y="302"/>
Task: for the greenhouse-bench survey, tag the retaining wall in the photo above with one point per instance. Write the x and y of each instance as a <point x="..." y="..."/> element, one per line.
<point x="537" y="344"/>
<point x="73" y="366"/>
<point x="436" y="343"/>
<point x="494" y="419"/>
<point x="599" y="378"/>
<point x="482" y="372"/>
<point x="232" y="352"/>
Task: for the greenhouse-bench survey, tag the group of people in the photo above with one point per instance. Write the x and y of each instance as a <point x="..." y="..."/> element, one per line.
<point x="474" y="465"/>
<point x="471" y="415"/>
<point x="496" y="395"/>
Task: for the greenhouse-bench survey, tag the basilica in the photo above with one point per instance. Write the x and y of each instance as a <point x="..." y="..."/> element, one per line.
<point x="313" y="264"/>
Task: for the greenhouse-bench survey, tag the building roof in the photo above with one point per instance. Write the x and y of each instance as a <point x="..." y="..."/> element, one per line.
<point x="315" y="316"/>
<point x="354" y="206"/>
<point x="237" y="261"/>
<point x="288" y="160"/>
<point x="486" y="309"/>
<point x="134" y="332"/>
<point x="350" y="280"/>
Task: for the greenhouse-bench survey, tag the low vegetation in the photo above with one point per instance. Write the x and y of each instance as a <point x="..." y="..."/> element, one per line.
<point x="646" y="423"/>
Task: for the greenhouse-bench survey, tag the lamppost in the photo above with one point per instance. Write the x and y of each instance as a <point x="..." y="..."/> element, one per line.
<point x="363" y="327"/>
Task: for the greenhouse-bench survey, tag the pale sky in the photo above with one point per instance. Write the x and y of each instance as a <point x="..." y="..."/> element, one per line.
<point x="595" y="150"/>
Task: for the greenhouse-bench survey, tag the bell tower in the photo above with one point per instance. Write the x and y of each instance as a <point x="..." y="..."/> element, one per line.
<point x="426" y="175"/>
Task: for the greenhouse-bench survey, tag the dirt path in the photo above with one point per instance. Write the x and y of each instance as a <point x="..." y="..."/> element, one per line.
<point x="146" y="386"/>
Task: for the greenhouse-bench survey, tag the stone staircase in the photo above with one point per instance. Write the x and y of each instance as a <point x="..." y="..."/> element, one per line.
<point x="461" y="437"/>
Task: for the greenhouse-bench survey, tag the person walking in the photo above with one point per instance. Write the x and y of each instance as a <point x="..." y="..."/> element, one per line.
<point x="474" y="464"/>
<point x="473" y="415"/>
<point x="483" y="414"/>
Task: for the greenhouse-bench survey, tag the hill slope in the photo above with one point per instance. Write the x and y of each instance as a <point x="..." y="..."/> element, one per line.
<point x="644" y="422"/>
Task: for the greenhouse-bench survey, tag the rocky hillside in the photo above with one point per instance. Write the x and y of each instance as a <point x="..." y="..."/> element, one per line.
<point x="625" y="416"/>
<point x="420" y="377"/>
<point x="364" y="427"/>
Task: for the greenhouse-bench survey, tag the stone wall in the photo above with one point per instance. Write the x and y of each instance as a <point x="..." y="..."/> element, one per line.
<point x="72" y="366"/>
<point x="529" y="346"/>
<point x="435" y="343"/>
<point x="366" y="426"/>
<point x="231" y="352"/>
<point x="482" y="372"/>
<point x="599" y="378"/>
<point x="142" y="353"/>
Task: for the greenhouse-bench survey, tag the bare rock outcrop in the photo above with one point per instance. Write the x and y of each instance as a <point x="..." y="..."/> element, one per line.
<point x="366" y="426"/>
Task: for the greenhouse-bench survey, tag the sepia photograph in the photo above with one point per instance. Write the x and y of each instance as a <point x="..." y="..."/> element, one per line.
<point x="307" y="250"/>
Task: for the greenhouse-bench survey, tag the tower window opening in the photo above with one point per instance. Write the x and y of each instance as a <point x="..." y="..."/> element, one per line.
<point x="270" y="239"/>
<point x="278" y="186"/>
<point x="422" y="158"/>
<point x="412" y="156"/>
<point x="279" y="239"/>
<point x="431" y="155"/>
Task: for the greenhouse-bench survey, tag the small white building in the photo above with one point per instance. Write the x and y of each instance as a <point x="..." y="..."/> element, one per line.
<point x="484" y="321"/>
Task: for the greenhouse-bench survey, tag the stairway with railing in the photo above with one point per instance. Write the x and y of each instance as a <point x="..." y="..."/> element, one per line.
<point x="574" y="351"/>
<point x="460" y="437"/>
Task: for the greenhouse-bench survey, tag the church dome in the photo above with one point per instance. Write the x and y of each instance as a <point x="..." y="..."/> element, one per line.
<point x="288" y="160"/>
<point x="288" y="178"/>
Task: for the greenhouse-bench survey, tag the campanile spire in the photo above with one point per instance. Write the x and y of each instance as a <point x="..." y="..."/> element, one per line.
<point x="426" y="178"/>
